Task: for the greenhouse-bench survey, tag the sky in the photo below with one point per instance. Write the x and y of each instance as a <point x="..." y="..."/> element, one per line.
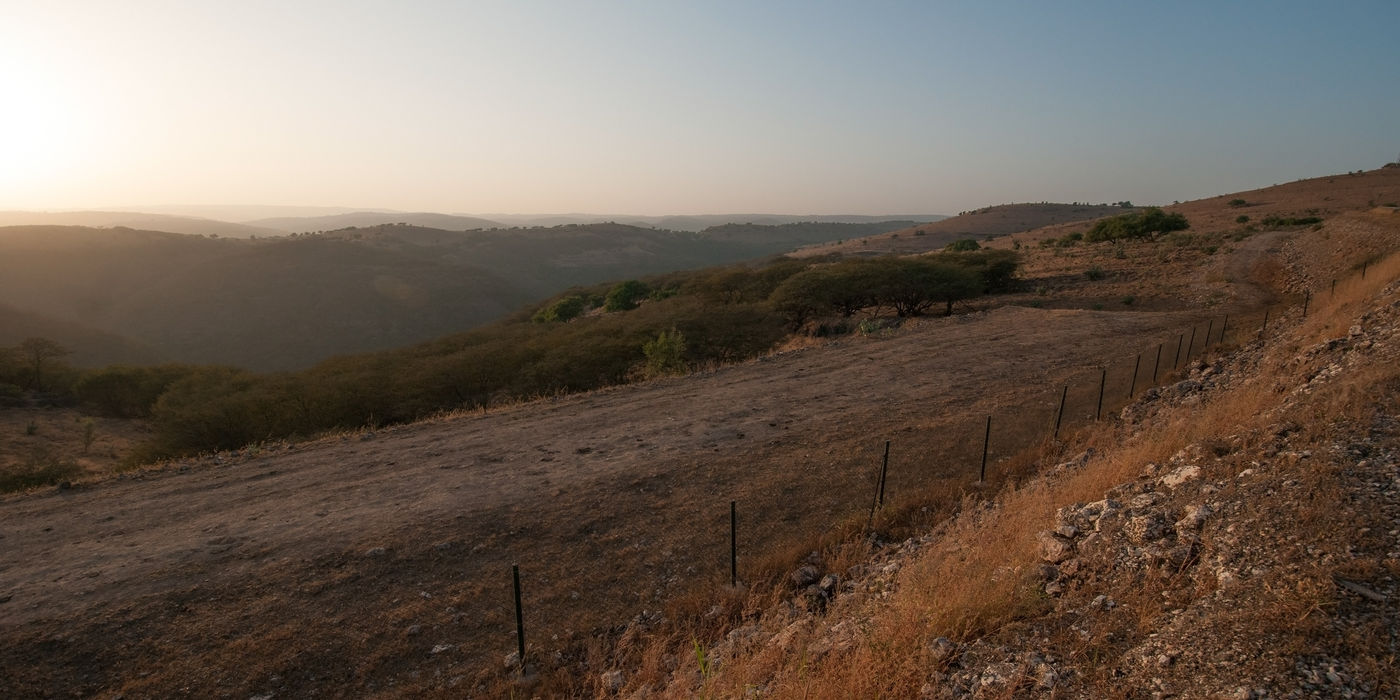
<point x="661" y="107"/>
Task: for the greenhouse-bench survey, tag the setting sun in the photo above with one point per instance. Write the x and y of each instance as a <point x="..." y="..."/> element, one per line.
<point x="38" y="127"/>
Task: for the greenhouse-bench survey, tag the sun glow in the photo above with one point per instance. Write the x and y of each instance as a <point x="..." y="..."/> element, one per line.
<point x="39" y="126"/>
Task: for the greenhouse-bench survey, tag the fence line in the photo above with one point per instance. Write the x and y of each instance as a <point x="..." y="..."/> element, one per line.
<point x="1242" y="330"/>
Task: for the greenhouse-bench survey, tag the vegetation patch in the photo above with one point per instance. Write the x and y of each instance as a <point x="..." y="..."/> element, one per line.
<point x="40" y="469"/>
<point x="1143" y="224"/>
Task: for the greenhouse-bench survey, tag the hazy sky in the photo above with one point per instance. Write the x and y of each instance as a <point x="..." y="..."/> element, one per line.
<point x="655" y="107"/>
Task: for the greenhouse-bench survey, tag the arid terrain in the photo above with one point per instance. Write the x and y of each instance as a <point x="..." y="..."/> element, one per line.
<point x="377" y="563"/>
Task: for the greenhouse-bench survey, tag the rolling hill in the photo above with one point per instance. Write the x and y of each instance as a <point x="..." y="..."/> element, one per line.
<point x="288" y="302"/>
<point x="986" y="222"/>
<point x="194" y="226"/>
<point x="331" y="222"/>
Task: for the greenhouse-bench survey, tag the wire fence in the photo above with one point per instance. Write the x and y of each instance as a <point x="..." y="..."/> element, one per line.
<point x="971" y="449"/>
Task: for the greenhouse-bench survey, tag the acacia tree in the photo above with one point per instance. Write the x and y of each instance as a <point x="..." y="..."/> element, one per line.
<point x="39" y="353"/>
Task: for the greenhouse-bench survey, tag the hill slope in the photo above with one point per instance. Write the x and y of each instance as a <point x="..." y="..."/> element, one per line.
<point x="979" y="224"/>
<point x="269" y="303"/>
<point x="331" y="222"/>
<point x="90" y="347"/>
<point x="289" y="302"/>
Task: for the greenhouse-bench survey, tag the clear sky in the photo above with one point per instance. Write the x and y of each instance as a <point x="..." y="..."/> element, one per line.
<point x="659" y="107"/>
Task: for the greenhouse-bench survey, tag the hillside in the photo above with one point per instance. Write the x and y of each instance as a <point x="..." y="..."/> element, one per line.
<point x="90" y="347"/>
<point x="378" y="562"/>
<point x="1190" y="548"/>
<point x="269" y="303"/>
<point x="988" y="222"/>
<point x="698" y="222"/>
<point x="360" y="219"/>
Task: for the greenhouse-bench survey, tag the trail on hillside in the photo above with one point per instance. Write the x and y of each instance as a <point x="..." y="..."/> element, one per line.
<point x="611" y="501"/>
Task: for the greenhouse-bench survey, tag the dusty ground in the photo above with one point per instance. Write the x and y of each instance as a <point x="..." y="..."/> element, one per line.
<point x="379" y="563"/>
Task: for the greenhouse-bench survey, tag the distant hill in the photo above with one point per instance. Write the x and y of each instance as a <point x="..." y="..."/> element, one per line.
<point x="982" y="223"/>
<point x="290" y="301"/>
<point x="267" y="304"/>
<point x="700" y="222"/>
<point x="545" y="260"/>
<point x="360" y="219"/>
<point x="138" y="220"/>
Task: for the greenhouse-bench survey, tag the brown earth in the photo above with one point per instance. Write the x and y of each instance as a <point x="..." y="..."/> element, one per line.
<point x="378" y="563"/>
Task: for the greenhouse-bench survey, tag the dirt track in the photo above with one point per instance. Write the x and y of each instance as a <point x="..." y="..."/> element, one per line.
<point x="264" y="571"/>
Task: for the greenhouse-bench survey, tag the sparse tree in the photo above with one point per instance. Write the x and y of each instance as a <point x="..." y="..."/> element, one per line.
<point x="39" y="353"/>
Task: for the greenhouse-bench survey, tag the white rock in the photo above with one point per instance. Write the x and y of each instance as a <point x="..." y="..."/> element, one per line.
<point x="1181" y="475"/>
<point x="1052" y="548"/>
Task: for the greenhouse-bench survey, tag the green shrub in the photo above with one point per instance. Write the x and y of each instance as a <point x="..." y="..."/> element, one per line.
<point x="997" y="267"/>
<point x="127" y="392"/>
<point x="565" y="309"/>
<point x="1129" y="300"/>
<point x="665" y="354"/>
<point x="1095" y="273"/>
<point x="1238" y="203"/>
<point x="625" y="295"/>
<point x="1143" y="224"/>
<point x="964" y="244"/>
<point x="1242" y="219"/>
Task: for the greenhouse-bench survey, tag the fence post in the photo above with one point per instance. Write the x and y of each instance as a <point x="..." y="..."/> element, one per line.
<point x="1363" y="269"/>
<point x="1334" y="288"/>
<point x="733" y="544"/>
<point x="1307" y="297"/>
<point x="1224" y="325"/>
<point x="986" y="442"/>
<point x="1191" y="343"/>
<point x="884" y="470"/>
<point x="1177" y="362"/>
<point x="1061" y="415"/>
<point x="1156" y="364"/>
<point x="1103" y="378"/>
<point x="1210" y="330"/>
<point x="1132" y="386"/>
<point x="1264" y="327"/>
<point x="519" y="617"/>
